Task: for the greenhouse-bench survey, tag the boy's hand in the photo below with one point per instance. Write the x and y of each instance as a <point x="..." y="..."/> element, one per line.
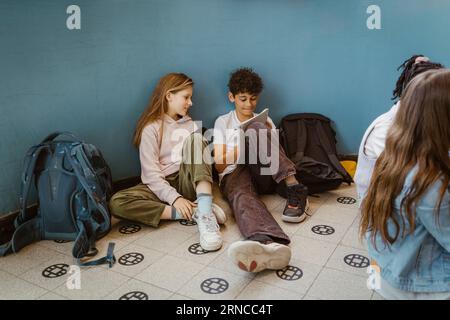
<point x="185" y="207"/>
<point x="223" y="158"/>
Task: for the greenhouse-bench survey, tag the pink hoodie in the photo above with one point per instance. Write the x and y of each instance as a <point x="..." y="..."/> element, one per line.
<point x="158" y="162"/>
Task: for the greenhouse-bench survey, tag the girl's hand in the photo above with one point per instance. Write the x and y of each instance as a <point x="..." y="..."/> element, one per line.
<point x="185" y="207"/>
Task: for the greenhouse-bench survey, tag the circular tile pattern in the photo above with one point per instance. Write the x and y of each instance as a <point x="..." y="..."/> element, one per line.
<point x="134" y="295"/>
<point x="323" y="230"/>
<point x="188" y="222"/>
<point x="214" y="285"/>
<point x="346" y="200"/>
<point x="55" y="271"/>
<point x="129" y="229"/>
<point x="61" y="241"/>
<point x="130" y="259"/>
<point x="197" y="249"/>
<point x="356" y="261"/>
<point x="290" y="273"/>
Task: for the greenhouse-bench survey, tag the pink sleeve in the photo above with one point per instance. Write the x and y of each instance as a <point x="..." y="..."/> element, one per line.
<point x="151" y="173"/>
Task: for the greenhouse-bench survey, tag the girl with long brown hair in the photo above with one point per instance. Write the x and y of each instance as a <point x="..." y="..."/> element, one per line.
<point x="406" y="210"/>
<point x="172" y="179"/>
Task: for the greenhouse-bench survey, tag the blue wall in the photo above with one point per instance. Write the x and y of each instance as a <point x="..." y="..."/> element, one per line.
<point x="314" y="55"/>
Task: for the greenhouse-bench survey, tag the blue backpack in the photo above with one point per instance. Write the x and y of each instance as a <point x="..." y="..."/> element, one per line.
<point x="73" y="183"/>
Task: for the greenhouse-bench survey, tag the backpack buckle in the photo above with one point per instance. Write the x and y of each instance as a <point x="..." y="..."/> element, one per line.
<point x="110" y="258"/>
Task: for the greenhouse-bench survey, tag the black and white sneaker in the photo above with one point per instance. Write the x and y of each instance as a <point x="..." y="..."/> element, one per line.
<point x="297" y="204"/>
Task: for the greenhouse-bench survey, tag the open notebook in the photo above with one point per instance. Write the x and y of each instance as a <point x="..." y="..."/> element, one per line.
<point x="260" y="117"/>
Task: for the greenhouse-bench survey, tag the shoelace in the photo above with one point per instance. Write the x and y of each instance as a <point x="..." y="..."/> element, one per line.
<point x="208" y="222"/>
<point x="293" y="200"/>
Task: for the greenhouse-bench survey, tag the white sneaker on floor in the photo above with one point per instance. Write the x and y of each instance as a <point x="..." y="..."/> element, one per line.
<point x="220" y="215"/>
<point x="210" y="236"/>
<point x="253" y="256"/>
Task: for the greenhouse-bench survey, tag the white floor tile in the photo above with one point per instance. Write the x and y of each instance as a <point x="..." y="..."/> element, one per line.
<point x="220" y="285"/>
<point x="192" y="251"/>
<point x="26" y="259"/>
<point x="138" y="290"/>
<point x="311" y="250"/>
<point x="343" y="200"/>
<point x="272" y="201"/>
<point x="350" y="260"/>
<point x="13" y="288"/>
<point x="126" y="257"/>
<point x="165" y="239"/>
<point x="256" y="290"/>
<point x="96" y="283"/>
<point x="298" y="276"/>
<point x="231" y="233"/>
<point x="322" y="230"/>
<point x="51" y="296"/>
<point x="128" y="231"/>
<point x="177" y="296"/>
<point x="170" y="273"/>
<point x="376" y="296"/>
<point x="342" y="216"/>
<point x="338" y="285"/>
<point x="351" y="239"/>
<point x="52" y="273"/>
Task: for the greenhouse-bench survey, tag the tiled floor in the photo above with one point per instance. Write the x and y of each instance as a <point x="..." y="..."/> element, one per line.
<point x="328" y="262"/>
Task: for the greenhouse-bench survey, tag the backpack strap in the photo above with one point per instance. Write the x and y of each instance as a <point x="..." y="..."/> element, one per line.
<point x="26" y="179"/>
<point x="25" y="234"/>
<point x="27" y="229"/>
<point x="301" y="138"/>
<point x="109" y="259"/>
<point x="86" y="179"/>
<point x="331" y="155"/>
<point x="85" y="242"/>
<point x="84" y="246"/>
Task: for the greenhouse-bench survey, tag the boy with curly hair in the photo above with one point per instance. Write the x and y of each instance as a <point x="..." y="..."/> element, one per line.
<point x="241" y="180"/>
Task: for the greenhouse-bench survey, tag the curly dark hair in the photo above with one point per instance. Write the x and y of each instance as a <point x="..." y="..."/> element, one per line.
<point x="245" y="80"/>
<point x="410" y="70"/>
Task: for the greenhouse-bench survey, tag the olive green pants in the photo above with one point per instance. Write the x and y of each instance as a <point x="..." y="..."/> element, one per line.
<point x="140" y="204"/>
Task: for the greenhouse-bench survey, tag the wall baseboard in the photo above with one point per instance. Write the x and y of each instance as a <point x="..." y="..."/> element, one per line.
<point x="351" y="157"/>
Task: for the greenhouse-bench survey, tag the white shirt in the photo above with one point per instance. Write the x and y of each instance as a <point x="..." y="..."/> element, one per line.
<point x="226" y="132"/>
<point x="376" y="139"/>
<point x="372" y="145"/>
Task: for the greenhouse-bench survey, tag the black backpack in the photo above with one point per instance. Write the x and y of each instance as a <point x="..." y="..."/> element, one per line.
<point x="310" y="142"/>
<point x="73" y="184"/>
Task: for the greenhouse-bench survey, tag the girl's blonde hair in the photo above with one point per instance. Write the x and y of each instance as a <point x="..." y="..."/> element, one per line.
<point x="172" y="82"/>
<point x="419" y="136"/>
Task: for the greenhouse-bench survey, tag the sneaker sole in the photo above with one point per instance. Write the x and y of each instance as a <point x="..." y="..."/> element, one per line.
<point x="221" y="217"/>
<point x="211" y="247"/>
<point x="299" y="218"/>
<point x="252" y="256"/>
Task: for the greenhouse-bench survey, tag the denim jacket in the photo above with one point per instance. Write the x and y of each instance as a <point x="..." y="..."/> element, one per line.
<point x="419" y="262"/>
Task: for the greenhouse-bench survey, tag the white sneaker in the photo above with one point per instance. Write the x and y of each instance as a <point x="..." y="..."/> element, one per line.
<point x="253" y="256"/>
<point x="220" y="215"/>
<point x="210" y="236"/>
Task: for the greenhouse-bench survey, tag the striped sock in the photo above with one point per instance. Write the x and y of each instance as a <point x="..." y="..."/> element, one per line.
<point x="176" y="215"/>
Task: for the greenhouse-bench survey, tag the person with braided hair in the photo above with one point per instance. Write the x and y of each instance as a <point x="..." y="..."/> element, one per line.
<point x="374" y="138"/>
<point x="405" y="213"/>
